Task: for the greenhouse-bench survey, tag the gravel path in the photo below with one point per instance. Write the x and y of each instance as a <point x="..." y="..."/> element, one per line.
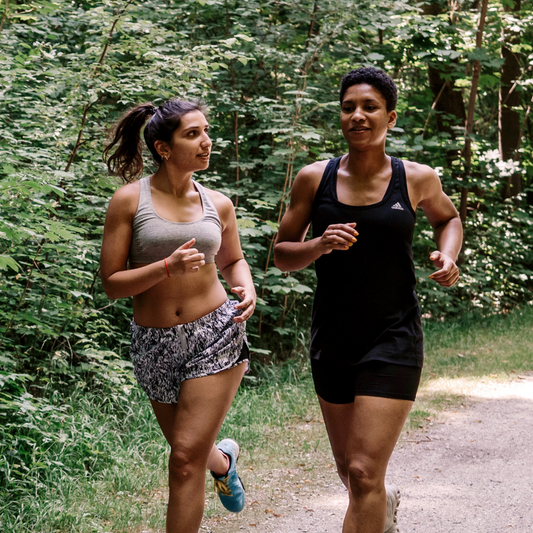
<point x="472" y="471"/>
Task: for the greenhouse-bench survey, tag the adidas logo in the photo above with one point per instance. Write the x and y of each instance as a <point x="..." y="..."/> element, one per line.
<point x="398" y="206"/>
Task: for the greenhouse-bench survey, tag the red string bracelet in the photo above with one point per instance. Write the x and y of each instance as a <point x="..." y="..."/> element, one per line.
<point x="166" y="265"/>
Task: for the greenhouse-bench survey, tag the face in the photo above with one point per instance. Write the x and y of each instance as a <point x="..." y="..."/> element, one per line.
<point x="364" y="117"/>
<point x="191" y="146"/>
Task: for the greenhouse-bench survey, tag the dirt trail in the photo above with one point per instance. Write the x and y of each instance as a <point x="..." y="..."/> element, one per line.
<point x="472" y="471"/>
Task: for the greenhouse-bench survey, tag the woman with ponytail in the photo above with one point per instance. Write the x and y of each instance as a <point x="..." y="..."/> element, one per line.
<point x="164" y="237"/>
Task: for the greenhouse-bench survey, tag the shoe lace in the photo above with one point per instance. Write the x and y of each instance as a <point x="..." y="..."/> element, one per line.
<point x="222" y="486"/>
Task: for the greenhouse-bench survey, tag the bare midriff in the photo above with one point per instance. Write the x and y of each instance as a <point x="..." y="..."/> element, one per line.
<point x="179" y="299"/>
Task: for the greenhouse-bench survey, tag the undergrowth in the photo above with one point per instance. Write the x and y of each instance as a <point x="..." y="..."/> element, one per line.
<point x="94" y="460"/>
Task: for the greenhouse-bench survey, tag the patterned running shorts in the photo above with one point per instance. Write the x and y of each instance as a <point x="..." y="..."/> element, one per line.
<point x="164" y="357"/>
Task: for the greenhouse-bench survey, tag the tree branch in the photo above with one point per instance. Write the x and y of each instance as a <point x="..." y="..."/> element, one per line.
<point x="311" y="25"/>
<point x="433" y="107"/>
<point x="4" y="16"/>
<point x="94" y="74"/>
<point x="469" y="126"/>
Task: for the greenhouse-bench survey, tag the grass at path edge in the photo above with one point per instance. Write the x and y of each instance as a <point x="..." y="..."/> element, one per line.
<point x="109" y="472"/>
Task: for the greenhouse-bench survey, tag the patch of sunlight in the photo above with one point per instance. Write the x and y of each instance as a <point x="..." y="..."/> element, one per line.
<point x="485" y="387"/>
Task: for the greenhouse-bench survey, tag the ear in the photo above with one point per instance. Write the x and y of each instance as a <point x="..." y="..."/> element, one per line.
<point x="392" y="119"/>
<point x="162" y="148"/>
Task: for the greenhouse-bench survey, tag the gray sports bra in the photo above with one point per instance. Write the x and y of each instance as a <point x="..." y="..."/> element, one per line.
<point x="155" y="238"/>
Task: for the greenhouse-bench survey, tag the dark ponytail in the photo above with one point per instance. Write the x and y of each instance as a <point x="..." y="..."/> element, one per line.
<point x="126" y="161"/>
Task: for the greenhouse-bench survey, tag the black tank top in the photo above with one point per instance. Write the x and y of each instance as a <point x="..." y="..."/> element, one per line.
<point x="365" y="305"/>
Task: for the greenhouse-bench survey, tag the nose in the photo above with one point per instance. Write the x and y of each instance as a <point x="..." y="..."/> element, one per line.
<point x="206" y="140"/>
<point x="358" y="114"/>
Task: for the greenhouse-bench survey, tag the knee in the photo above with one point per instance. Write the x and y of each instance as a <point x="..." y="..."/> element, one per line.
<point x="182" y="465"/>
<point x="362" y="477"/>
<point x="342" y="469"/>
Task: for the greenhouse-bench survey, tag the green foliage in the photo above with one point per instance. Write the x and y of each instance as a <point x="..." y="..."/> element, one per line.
<point x="54" y="449"/>
<point x="269" y="72"/>
<point x="475" y="347"/>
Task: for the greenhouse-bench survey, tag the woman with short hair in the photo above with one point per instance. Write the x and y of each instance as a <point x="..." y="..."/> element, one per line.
<point x="366" y="334"/>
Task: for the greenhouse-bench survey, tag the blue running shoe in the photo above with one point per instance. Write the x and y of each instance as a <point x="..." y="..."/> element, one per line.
<point x="230" y="487"/>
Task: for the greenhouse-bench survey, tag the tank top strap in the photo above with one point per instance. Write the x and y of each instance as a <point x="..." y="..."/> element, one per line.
<point x="400" y="182"/>
<point x="145" y="183"/>
<point x="145" y="196"/>
<point x="210" y="210"/>
<point x="329" y="180"/>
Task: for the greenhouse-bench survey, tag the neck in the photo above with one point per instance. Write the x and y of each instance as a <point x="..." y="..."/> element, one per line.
<point x="172" y="182"/>
<point x="365" y="164"/>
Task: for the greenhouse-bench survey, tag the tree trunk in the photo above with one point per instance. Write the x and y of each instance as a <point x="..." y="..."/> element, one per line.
<point x="508" y="118"/>
<point x="4" y="15"/>
<point x="469" y="126"/>
<point x="448" y="100"/>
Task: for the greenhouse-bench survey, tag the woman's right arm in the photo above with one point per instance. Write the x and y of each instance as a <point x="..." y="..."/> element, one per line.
<point x="117" y="280"/>
<point x="291" y="252"/>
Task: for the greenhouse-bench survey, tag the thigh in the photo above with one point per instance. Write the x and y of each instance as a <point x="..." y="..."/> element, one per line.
<point x="364" y="433"/>
<point x="385" y="394"/>
<point x="194" y="422"/>
<point x="365" y="406"/>
<point x="337" y="419"/>
<point x="375" y="426"/>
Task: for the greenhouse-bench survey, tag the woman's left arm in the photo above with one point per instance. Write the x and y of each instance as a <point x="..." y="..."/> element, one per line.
<point x="230" y="258"/>
<point x="425" y="185"/>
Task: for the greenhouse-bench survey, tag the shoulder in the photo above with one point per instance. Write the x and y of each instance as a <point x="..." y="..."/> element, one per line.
<point x="419" y="173"/>
<point x="223" y="205"/>
<point x="221" y="201"/>
<point x="422" y="181"/>
<point x="308" y="179"/>
<point x="126" y="199"/>
<point x="313" y="172"/>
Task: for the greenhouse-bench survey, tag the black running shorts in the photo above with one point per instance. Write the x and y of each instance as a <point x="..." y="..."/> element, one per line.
<point x="341" y="383"/>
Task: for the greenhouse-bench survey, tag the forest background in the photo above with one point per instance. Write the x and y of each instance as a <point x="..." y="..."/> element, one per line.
<point x="269" y="71"/>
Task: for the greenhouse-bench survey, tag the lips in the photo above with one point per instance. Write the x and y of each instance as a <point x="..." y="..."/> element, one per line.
<point x="359" y="129"/>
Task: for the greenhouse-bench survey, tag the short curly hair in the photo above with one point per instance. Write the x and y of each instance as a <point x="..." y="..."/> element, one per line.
<point x="375" y="77"/>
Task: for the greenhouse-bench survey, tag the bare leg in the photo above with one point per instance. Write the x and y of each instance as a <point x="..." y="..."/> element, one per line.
<point x="191" y="427"/>
<point x="335" y="417"/>
<point x="362" y="449"/>
<point x="217" y="462"/>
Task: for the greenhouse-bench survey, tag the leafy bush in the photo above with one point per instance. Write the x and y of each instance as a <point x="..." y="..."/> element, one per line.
<point x="269" y="72"/>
